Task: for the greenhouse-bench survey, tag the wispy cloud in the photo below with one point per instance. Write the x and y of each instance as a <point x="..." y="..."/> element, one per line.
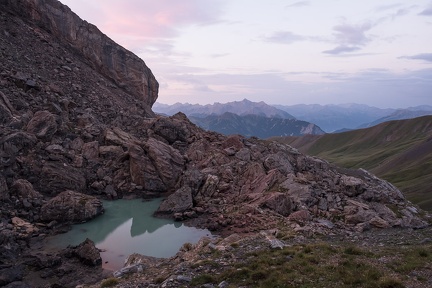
<point x="159" y="19"/>
<point x="426" y="12"/>
<point x="423" y="56"/>
<point x="396" y="11"/>
<point x="284" y="37"/>
<point x="135" y="23"/>
<point x="299" y="4"/>
<point x="352" y="34"/>
<point x="147" y="27"/>
<point x="377" y="87"/>
<point x="350" y="37"/>
<point x="388" y="7"/>
<point x="219" y="55"/>
<point x="341" y="49"/>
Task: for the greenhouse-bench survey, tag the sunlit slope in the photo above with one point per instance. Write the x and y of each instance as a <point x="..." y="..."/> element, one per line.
<point x="398" y="151"/>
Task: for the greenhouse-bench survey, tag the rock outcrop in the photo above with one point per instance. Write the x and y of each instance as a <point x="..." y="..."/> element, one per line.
<point x="70" y="206"/>
<point x="251" y="181"/>
<point x="126" y="69"/>
<point x="87" y="253"/>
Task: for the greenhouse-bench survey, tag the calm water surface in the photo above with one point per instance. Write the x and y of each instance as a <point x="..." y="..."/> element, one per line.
<point x="127" y="227"/>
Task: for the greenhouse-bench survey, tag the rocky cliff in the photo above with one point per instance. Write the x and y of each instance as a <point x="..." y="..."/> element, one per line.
<point x="70" y="134"/>
<point x="113" y="61"/>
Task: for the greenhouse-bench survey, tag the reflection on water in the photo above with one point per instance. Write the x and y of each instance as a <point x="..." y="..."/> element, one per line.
<point x="127" y="227"/>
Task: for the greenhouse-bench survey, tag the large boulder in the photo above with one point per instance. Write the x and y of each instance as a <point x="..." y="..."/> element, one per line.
<point x="167" y="160"/>
<point x="58" y="177"/>
<point x="280" y="203"/>
<point x="6" y="109"/>
<point x="143" y="172"/>
<point x="43" y="125"/>
<point x="73" y="207"/>
<point x="179" y="201"/>
<point x="87" y="253"/>
<point x="24" y="189"/>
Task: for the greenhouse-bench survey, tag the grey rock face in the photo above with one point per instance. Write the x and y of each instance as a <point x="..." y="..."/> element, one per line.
<point x="71" y="206"/>
<point x="280" y="203"/>
<point x="179" y="201"/>
<point x="87" y="253"/>
<point x="59" y="177"/>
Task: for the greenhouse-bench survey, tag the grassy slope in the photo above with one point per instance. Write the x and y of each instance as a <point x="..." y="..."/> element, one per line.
<point x="325" y="265"/>
<point x="398" y="151"/>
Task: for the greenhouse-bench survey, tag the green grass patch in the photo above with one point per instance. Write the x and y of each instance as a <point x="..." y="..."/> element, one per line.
<point x="324" y="265"/>
<point x="397" y="151"/>
<point x="413" y="259"/>
<point x="203" y="279"/>
<point x="110" y="282"/>
<point x="390" y="283"/>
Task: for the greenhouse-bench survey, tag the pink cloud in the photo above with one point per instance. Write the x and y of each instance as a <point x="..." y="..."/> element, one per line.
<point x="147" y="23"/>
<point x="156" y="19"/>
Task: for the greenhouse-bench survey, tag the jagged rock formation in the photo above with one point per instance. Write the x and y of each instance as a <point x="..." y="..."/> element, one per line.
<point x="234" y="180"/>
<point x="65" y="125"/>
<point x="70" y="206"/>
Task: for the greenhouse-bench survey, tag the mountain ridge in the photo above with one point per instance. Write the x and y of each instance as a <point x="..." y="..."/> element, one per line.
<point x="255" y="125"/>
<point x="244" y="107"/>
<point x="330" y="118"/>
<point x="399" y="151"/>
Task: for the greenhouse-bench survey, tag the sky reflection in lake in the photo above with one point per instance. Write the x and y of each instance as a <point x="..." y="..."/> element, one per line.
<point x="127" y="227"/>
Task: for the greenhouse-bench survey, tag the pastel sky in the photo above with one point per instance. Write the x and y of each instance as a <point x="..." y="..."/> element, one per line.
<point x="277" y="51"/>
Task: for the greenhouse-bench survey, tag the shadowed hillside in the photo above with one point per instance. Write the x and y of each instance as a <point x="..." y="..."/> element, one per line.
<point x="255" y="125"/>
<point x="398" y="151"/>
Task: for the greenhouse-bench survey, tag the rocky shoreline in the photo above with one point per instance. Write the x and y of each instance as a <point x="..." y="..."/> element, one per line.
<point x="210" y="263"/>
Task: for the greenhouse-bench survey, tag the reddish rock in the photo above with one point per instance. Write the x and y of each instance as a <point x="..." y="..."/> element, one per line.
<point x="24" y="189"/>
<point x="90" y="150"/>
<point x="301" y="216"/>
<point x="43" y="125"/>
<point x="168" y="161"/>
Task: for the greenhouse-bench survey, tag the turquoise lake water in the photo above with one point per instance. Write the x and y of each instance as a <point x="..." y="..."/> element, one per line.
<point x="127" y="227"/>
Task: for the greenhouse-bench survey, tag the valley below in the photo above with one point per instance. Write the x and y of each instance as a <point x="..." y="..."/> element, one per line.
<point x="399" y="151"/>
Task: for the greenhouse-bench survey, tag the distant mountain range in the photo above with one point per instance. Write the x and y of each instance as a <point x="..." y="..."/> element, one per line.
<point x="256" y="125"/>
<point x="398" y="151"/>
<point x="344" y="117"/>
<point x="244" y="107"/>
<point x="330" y="118"/>
<point x="401" y="114"/>
<point x="242" y="117"/>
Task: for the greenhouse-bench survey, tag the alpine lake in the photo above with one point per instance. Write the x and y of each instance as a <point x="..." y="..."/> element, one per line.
<point x="128" y="227"/>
